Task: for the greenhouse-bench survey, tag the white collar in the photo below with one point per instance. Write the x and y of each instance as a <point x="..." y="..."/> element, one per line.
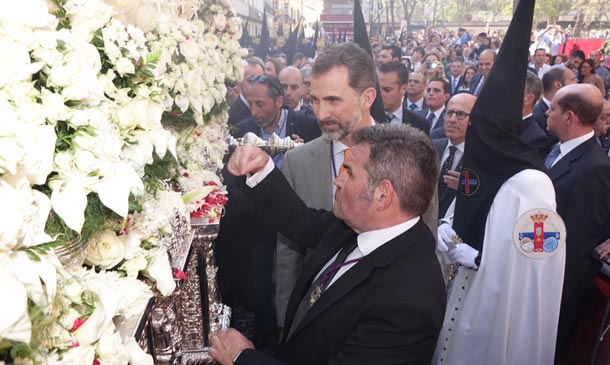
<point x="526" y="116"/>
<point x="459" y="146"/>
<point x="371" y="240"/>
<point x="546" y="101"/>
<point x="567" y="146"/>
<point x="243" y="98"/>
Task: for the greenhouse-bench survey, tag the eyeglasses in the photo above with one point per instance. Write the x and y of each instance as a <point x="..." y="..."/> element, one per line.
<point x="267" y="80"/>
<point x="458" y="114"/>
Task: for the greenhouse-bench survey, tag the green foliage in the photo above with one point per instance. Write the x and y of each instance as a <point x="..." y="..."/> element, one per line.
<point x="61" y="14"/>
<point x="161" y="169"/>
<point x="34" y="252"/>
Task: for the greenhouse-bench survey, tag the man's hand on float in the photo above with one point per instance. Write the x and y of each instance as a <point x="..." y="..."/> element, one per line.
<point x="464" y="254"/>
<point x="227" y="346"/>
<point x="247" y="160"/>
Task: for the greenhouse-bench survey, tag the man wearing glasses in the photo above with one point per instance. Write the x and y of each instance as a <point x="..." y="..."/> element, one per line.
<point x="451" y="149"/>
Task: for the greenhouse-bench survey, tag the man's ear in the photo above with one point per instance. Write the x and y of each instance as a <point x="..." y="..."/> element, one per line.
<point x="384" y="195"/>
<point x="367" y="97"/>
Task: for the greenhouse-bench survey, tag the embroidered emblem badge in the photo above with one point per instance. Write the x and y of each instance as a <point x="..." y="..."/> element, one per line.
<point x="539" y="233"/>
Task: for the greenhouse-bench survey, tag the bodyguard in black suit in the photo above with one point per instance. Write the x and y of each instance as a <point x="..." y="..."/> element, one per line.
<point x="552" y="81"/>
<point x="437" y="94"/>
<point x="240" y="109"/>
<point x="393" y="79"/>
<point x="300" y="123"/>
<point x="385" y="303"/>
<point x="528" y="130"/>
<point x="580" y="171"/>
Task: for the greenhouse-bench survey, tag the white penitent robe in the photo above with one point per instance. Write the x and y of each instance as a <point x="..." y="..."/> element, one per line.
<point x="507" y="311"/>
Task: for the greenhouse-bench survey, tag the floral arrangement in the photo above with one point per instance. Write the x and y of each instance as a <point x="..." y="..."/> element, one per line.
<point x="113" y="121"/>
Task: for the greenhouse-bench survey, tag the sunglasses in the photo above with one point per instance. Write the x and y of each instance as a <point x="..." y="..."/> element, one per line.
<point x="267" y="80"/>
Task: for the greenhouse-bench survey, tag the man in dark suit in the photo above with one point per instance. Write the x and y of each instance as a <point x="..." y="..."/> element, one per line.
<point x="372" y="291"/>
<point x="343" y="88"/>
<point x="486" y="62"/>
<point x="455" y="75"/>
<point x="393" y="78"/>
<point x="416" y="88"/>
<point x="552" y="81"/>
<point x="528" y="130"/>
<point x="580" y="171"/>
<point x="240" y="108"/>
<point x="451" y="149"/>
<point x="437" y="94"/>
<point x="266" y="99"/>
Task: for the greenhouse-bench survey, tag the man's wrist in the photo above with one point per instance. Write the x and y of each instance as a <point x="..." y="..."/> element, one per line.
<point x="237" y="356"/>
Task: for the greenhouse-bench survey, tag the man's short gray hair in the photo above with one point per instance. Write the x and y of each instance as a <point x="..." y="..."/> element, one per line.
<point x="406" y="158"/>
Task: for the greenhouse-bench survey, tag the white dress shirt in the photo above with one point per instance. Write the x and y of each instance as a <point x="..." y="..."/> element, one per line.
<point x="567" y="146"/>
<point x="459" y="152"/>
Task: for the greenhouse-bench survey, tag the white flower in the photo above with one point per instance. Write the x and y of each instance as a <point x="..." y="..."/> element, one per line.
<point x="105" y="250"/>
<point x="134" y="265"/>
<point x="14" y="322"/>
<point x="16" y="64"/>
<point x="125" y="66"/>
<point x="23" y="215"/>
<point x="110" y="349"/>
<point x="134" y="296"/>
<point x="87" y="16"/>
<point x="160" y="271"/>
<point x="190" y="50"/>
<point x="136" y="354"/>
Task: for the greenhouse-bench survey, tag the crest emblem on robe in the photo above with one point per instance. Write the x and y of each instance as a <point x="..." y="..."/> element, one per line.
<point x="539" y="233"/>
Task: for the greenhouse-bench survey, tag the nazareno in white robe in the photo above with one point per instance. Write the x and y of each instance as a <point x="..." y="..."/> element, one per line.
<point x="507" y="311"/>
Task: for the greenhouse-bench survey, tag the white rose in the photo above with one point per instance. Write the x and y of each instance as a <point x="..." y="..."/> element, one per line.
<point x="182" y="102"/>
<point x="146" y="18"/>
<point x="125" y="66"/>
<point x="134" y="295"/>
<point x="134" y="265"/>
<point x="105" y="250"/>
<point x="190" y="50"/>
<point x="85" y="161"/>
<point x="110" y="349"/>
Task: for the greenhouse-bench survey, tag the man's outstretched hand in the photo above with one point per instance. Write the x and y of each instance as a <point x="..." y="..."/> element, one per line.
<point x="247" y="160"/>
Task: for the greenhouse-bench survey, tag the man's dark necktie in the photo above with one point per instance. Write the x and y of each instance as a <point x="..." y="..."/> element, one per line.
<point x="430" y="118"/>
<point x="319" y="286"/>
<point x="413" y="107"/>
<point x="442" y="187"/>
<point x="388" y="117"/>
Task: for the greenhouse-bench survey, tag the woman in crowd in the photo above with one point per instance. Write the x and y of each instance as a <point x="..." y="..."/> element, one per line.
<point x="468" y="73"/>
<point x="558" y="59"/>
<point x="433" y="67"/>
<point x="586" y="75"/>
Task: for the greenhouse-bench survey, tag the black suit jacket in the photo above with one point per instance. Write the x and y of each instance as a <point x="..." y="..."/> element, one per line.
<point x="439" y="130"/>
<point x="301" y="123"/>
<point x="387" y="309"/>
<point x="458" y="85"/>
<point x="415" y="120"/>
<point x="475" y="81"/>
<point x="238" y="112"/>
<point x="445" y="201"/>
<point x="530" y="133"/>
<point x="582" y="188"/>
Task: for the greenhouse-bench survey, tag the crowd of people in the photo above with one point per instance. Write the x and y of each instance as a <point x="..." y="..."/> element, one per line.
<point x="368" y="284"/>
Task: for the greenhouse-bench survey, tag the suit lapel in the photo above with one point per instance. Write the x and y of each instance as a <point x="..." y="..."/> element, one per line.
<point x="319" y="166"/>
<point x="382" y="256"/>
<point x="565" y="164"/>
<point x="323" y="253"/>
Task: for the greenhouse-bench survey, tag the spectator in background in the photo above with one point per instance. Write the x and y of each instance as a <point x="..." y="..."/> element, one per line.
<point x="469" y="72"/>
<point x="273" y="67"/>
<point x="586" y="75"/>
<point x="417" y="57"/>
<point x="558" y="59"/>
<point x="600" y="69"/>
<point x="389" y="54"/>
